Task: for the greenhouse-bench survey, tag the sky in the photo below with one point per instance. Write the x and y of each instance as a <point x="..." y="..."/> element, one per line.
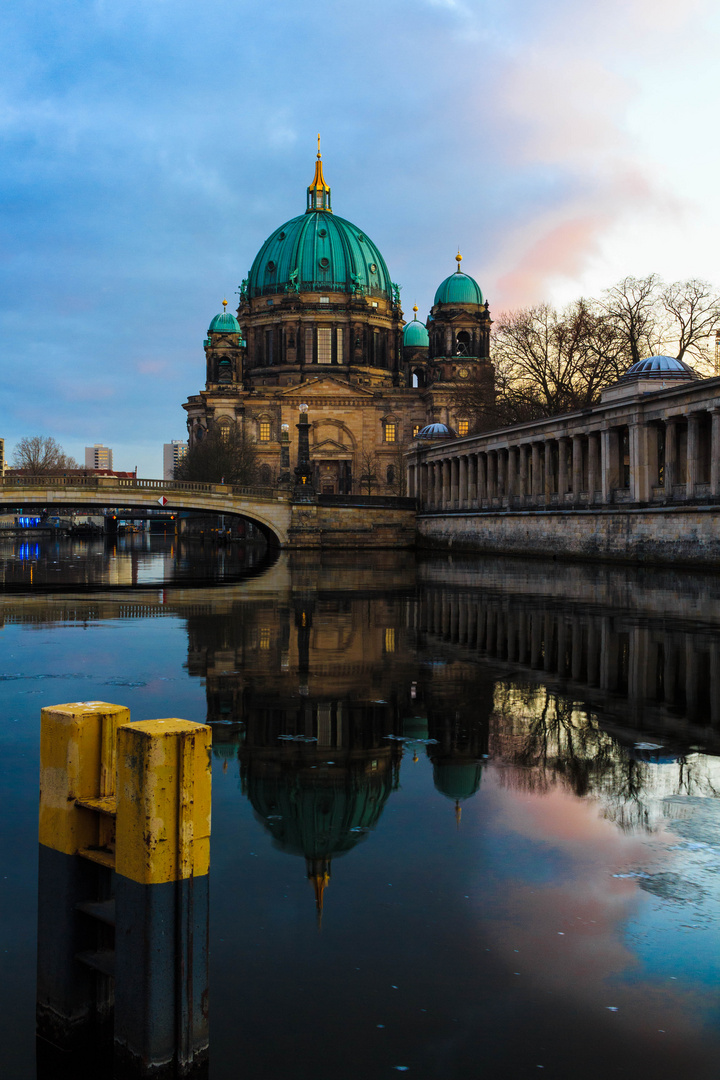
<point x="149" y="147"/>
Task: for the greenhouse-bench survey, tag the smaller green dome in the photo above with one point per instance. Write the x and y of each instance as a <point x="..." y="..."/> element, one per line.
<point x="224" y="323"/>
<point x="415" y="335"/>
<point x="459" y="288"/>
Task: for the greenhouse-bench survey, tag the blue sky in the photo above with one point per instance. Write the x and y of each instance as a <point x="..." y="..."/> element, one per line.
<point x="150" y="146"/>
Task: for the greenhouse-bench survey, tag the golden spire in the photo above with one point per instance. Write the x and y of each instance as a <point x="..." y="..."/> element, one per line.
<point x="224" y="306"/>
<point x="320" y="883"/>
<point x="318" y="193"/>
<point x="415" y="309"/>
<point x="458" y="260"/>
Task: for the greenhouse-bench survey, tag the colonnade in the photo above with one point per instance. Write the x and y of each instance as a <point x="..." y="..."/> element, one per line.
<point x="556" y="463"/>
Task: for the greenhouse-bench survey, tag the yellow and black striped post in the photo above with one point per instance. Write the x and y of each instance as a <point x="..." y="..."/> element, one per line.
<point x="162" y="894"/>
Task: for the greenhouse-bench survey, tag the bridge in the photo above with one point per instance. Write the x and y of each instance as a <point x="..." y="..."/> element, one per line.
<point x="286" y="519"/>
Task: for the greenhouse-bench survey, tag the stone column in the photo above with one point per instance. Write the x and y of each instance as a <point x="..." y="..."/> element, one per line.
<point x="463" y="482"/>
<point x="594" y="474"/>
<point x="472" y="480"/>
<point x="671" y="470"/>
<point x="715" y="453"/>
<point x="610" y="452"/>
<point x="562" y="444"/>
<point x="446" y="485"/>
<point x="481" y="479"/>
<point x="511" y="475"/>
<point x="454" y="493"/>
<point x="491" y="475"/>
<point x="692" y="455"/>
<point x="639" y="463"/>
<point x="524" y="451"/>
<point x="501" y="473"/>
<point x="548" y="471"/>
<point x="411" y="469"/>
<point x="577" y="466"/>
<point x="536" y="473"/>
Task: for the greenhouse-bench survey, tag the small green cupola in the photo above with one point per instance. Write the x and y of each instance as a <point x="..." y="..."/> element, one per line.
<point x="459" y="288"/>
<point x="415" y="335"/>
<point x="224" y="323"/>
<point x="318" y="193"/>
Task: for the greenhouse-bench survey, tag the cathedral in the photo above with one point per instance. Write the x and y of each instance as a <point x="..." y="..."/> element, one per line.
<point x="319" y="327"/>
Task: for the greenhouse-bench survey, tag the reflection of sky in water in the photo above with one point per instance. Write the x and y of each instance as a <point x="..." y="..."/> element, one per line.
<point x="498" y="942"/>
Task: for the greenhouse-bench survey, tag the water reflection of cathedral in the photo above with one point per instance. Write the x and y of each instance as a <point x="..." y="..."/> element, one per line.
<point x="318" y="698"/>
<point x="313" y="694"/>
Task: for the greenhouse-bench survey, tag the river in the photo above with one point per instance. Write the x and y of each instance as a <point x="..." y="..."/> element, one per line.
<point x="465" y="813"/>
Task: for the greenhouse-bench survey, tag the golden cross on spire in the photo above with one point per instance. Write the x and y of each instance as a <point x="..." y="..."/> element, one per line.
<point x="318" y="145"/>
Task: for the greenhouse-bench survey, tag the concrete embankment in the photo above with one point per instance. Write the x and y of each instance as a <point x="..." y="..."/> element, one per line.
<point x="687" y="535"/>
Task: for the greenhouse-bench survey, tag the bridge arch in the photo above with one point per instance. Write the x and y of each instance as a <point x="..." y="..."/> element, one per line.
<point x="267" y="508"/>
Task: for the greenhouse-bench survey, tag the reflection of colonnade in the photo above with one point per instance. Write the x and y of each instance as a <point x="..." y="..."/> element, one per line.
<point x="640" y="445"/>
<point x="669" y="671"/>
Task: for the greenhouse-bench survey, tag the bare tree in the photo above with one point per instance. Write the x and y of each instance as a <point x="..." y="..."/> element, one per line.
<point x="635" y="309"/>
<point x="695" y="314"/>
<point x="224" y="455"/>
<point x="546" y="362"/>
<point x="396" y="471"/>
<point x="369" y="469"/>
<point x="38" y="455"/>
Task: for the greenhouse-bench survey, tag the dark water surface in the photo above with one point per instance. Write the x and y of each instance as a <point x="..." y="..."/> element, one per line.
<point x="506" y="806"/>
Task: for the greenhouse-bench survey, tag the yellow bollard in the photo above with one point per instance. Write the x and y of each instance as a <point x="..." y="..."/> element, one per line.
<point x="164" y="801"/>
<point x="162" y="895"/>
<point x="77" y="785"/>
<point x="77" y="761"/>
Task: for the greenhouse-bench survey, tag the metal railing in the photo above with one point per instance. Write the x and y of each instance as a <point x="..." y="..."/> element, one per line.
<point x="109" y="483"/>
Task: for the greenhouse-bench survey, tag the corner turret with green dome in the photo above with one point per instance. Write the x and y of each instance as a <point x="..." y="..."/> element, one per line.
<point x="224" y="350"/>
<point x="459" y="330"/>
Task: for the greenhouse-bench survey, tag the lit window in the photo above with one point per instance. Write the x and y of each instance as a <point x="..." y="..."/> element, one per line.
<point x="324" y="338"/>
<point x="264" y="431"/>
<point x="389" y="639"/>
<point x="264" y="637"/>
<point x="324" y="299"/>
<point x="416" y="429"/>
<point x="224" y="432"/>
<point x="339" y="344"/>
<point x="463" y="427"/>
<point x="390" y="432"/>
<point x="308" y="345"/>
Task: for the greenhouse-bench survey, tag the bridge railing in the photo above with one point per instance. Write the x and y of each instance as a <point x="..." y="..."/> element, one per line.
<point x="134" y="483"/>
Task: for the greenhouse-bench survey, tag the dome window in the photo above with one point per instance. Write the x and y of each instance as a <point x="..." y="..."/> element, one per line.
<point x="281" y="236"/>
<point x="322" y="232"/>
<point x="361" y="238"/>
<point x="324" y="264"/>
<point x="270" y="267"/>
<point x="373" y="268"/>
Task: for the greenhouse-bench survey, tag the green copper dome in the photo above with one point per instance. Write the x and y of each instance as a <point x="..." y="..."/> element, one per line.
<point x="459" y="288"/>
<point x="415" y="335"/>
<point x="319" y="252"/>
<point x="224" y="323"/>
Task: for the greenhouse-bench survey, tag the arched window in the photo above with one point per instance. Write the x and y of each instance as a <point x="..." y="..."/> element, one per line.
<point x="462" y="344"/>
<point x="264" y="429"/>
<point x="391" y="474"/>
